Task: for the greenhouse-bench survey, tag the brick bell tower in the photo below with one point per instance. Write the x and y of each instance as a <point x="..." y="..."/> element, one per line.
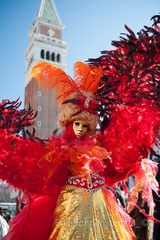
<point x="45" y="44"/>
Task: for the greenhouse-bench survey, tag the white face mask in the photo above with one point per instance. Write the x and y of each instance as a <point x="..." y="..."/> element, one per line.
<point x="80" y="128"/>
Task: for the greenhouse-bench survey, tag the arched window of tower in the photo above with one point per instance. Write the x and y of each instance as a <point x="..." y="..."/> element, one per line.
<point x="39" y="93"/>
<point x="39" y="108"/>
<point x="53" y="56"/>
<point x="58" y="58"/>
<point x="39" y="123"/>
<point x="42" y="53"/>
<point x="48" y="55"/>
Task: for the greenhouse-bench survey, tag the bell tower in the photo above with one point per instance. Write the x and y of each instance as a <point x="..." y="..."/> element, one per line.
<point x="45" y="44"/>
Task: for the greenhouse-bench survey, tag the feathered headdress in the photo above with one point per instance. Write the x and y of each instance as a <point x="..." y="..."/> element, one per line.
<point x="77" y="94"/>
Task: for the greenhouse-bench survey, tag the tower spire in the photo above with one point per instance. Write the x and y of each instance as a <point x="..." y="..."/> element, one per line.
<point x="48" y="11"/>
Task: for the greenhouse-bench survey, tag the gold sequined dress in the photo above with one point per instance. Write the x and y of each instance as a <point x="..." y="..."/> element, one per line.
<point x="86" y="209"/>
<point x="90" y="214"/>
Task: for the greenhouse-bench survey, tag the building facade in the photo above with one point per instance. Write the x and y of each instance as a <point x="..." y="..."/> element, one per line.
<point x="45" y="44"/>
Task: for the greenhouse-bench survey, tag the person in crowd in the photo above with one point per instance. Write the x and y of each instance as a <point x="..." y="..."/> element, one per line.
<point x="3" y="225"/>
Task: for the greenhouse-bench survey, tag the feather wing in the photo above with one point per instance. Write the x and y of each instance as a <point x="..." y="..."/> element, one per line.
<point x="129" y="93"/>
<point x="132" y="70"/>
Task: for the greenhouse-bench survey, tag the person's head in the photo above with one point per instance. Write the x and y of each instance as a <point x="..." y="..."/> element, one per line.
<point x="82" y="121"/>
<point x="77" y="97"/>
<point x="80" y="128"/>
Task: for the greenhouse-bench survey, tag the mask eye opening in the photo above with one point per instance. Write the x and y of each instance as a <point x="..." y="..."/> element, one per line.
<point x="77" y="123"/>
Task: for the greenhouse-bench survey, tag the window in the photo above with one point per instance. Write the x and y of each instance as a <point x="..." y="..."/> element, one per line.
<point x="42" y="53"/>
<point x="39" y="93"/>
<point x="48" y="55"/>
<point x="53" y="56"/>
<point x="39" y="108"/>
<point x="58" y="57"/>
<point x="38" y="123"/>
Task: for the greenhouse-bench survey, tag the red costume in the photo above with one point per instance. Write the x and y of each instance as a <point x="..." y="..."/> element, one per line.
<point x="69" y="180"/>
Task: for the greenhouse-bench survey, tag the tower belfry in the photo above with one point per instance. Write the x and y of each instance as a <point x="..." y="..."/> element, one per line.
<point x="45" y="44"/>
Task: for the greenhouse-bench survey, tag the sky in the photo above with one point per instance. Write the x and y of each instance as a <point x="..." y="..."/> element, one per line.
<point x="90" y="26"/>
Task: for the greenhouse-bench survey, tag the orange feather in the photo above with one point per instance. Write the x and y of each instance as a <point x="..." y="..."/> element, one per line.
<point x="87" y="77"/>
<point x="50" y="76"/>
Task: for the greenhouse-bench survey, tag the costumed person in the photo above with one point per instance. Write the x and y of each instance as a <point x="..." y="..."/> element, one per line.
<point x="110" y="114"/>
<point x="84" y="208"/>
